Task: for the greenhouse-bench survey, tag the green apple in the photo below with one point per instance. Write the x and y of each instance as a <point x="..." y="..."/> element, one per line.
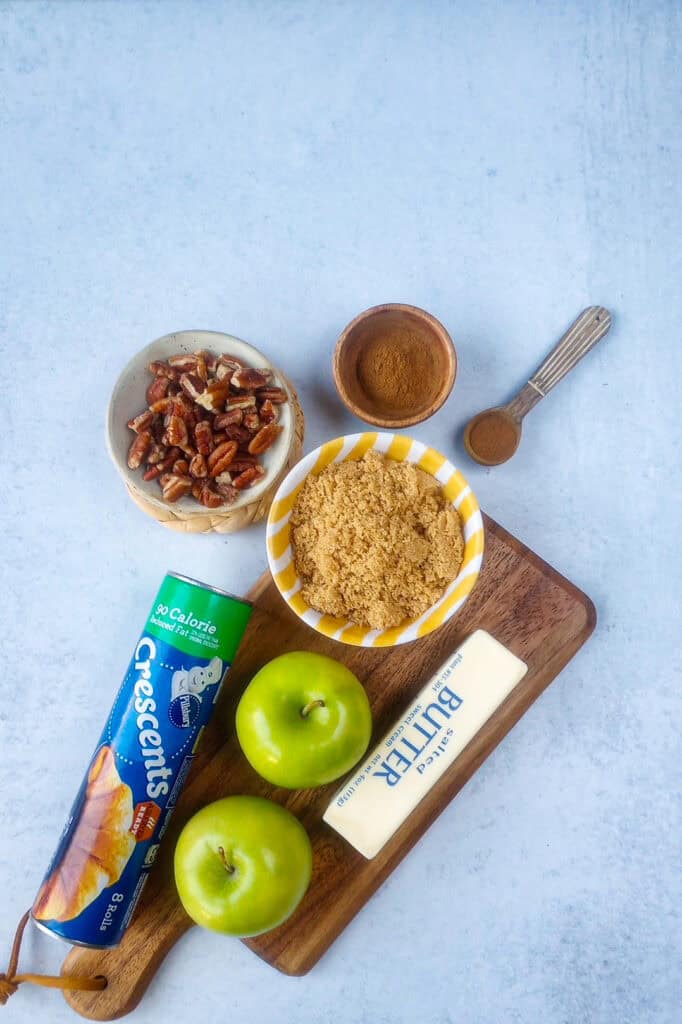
<point x="304" y="720"/>
<point x="242" y="865"/>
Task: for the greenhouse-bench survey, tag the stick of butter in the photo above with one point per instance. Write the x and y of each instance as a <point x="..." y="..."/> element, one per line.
<point x="453" y="706"/>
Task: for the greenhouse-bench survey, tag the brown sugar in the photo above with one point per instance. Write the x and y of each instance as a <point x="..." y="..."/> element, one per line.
<point x="375" y="541"/>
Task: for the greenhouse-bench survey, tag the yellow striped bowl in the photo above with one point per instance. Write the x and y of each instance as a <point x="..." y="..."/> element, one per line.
<point x="403" y="449"/>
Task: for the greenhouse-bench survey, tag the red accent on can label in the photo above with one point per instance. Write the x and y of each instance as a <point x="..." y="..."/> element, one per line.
<point x="145" y="819"/>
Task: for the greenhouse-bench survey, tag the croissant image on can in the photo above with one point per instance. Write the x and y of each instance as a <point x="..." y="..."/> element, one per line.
<point x="99" y="849"/>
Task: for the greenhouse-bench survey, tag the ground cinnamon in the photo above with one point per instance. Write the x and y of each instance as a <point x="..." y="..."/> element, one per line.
<point x="398" y="371"/>
<point x="492" y="437"/>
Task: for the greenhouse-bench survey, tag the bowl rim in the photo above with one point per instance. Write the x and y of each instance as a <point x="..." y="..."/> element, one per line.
<point x="392" y="422"/>
<point x="132" y="479"/>
<point x="347" y="443"/>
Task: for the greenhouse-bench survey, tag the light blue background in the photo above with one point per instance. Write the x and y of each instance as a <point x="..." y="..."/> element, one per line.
<point x="270" y="169"/>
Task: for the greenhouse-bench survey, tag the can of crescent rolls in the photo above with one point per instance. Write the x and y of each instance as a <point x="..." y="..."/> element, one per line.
<point x="140" y="763"/>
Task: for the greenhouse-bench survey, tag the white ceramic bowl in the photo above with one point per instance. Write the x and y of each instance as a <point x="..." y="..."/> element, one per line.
<point x="402" y="449"/>
<point x="128" y="399"/>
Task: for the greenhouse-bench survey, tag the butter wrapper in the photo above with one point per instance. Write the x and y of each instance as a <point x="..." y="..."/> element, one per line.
<point x="444" y="717"/>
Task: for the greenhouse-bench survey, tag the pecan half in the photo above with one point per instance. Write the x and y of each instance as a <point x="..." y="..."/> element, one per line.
<point x="160" y="369"/>
<point x="248" y="478"/>
<point x="227" y="419"/>
<point x="192" y="385"/>
<point x="140" y="447"/>
<point x="268" y="412"/>
<point x="181" y="406"/>
<point x="276" y="395"/>
<point x="201" y="370"/>
<point x="214" y="396"/>
<point x="175" y="487"/>
<point x="197" y="467"/>
<point x="221" y="457"/>
<point x="181" y="467"/>
<point x="265" y="438"/>
<point x="240" y="402"/>
<point x="183" y="362"/>
<point x="157" y="389"/>
<point x="176" y="431"/>
<point x="246" y="377"/>
<point x="209" y="498"/>
<point x="252" y="421"/>
<point x="203" y="436"/>
<point x="141" y="422"/>
<point x="226" y="365"/>
<point x="157" y="453"/>
<point x="163" y="405"/>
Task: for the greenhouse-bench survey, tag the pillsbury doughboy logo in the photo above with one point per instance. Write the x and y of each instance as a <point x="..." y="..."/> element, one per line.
<point x="187" y="687"/>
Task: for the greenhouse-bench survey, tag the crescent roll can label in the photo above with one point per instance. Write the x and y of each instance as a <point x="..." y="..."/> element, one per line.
<point x="140" y="763"/>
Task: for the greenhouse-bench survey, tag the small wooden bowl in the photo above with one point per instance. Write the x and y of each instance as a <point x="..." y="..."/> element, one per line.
<point x="384" y="337"/>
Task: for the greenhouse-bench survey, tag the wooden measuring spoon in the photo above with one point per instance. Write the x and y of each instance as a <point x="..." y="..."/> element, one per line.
<point x="493" y="435"/>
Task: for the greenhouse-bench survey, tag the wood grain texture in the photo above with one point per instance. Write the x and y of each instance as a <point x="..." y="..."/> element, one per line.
<point x="523" y="602"/>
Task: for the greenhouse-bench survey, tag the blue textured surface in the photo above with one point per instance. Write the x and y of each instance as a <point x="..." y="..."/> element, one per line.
<point x="270" y="170"/>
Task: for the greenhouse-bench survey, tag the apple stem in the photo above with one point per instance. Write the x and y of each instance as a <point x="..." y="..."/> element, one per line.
<point x="309" y="707"/>
<point x="230" y="868"/>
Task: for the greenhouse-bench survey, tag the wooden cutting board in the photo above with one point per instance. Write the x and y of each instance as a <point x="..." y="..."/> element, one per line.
<point x="520" y="599"/>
